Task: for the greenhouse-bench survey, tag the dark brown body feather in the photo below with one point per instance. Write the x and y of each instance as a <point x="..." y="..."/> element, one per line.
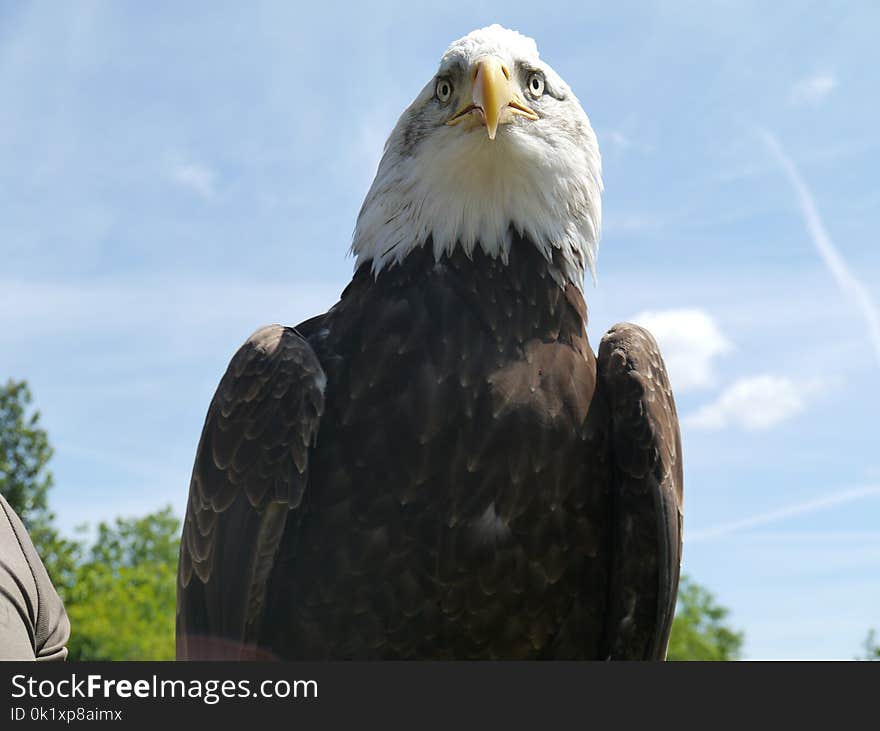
<point x="470" y="493"/>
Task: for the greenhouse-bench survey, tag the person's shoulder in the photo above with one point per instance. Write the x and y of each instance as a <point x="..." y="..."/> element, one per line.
<point x="33" y="623"/>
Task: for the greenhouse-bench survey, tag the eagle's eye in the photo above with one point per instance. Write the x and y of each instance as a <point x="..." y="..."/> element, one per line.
<point x="536" y="84"/>
<point x="443" y="90"/>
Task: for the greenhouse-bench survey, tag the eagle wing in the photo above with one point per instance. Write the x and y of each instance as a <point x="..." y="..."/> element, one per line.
<point x="647" y="489"/>
<point x="248" y="483"/>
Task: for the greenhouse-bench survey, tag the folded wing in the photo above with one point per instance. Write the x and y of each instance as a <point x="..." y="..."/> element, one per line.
<point x="647" y="493"/>
<point x="247" y="488"/>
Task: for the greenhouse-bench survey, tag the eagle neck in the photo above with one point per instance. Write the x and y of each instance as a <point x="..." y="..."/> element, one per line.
<point x="518" y="297"/>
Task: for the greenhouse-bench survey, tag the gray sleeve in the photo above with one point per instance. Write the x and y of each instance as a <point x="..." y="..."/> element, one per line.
<point x="33" y="623"/>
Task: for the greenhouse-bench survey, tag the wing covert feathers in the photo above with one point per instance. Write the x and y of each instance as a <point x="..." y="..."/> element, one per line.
<point x="647" y="493"/>
<point x="249" y="476"/>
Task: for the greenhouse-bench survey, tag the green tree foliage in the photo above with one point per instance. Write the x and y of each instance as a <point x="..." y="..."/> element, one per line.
<point x="24" y="453"/>
<point x="871" y="646"/>
<point x="699" y="631"/>
<point x="119" y="590"/>
<point x="122" y="605"/>
<point x="25" y="480"/>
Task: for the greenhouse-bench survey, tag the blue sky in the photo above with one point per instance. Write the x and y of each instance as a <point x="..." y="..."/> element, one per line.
<point x="174" y="176"/>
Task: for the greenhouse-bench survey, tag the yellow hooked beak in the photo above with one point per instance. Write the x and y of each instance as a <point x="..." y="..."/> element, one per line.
<point x="493" y="97"/>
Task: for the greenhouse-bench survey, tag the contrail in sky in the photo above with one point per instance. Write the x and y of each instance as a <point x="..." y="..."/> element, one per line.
<point x="851" y="286"/>
<point x="773" y="516"/>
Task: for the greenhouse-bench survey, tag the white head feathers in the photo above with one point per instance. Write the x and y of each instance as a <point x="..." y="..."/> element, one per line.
<point x="453" y="185"/>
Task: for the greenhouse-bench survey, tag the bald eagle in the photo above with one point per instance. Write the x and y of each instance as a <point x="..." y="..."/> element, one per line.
<point x="439" y="466"/>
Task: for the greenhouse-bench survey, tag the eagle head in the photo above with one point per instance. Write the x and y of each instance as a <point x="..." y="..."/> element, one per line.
<point x="495" y="143"/>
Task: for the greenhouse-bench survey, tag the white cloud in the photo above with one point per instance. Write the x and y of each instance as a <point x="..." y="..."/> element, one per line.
<point x="619" y="140"/>
<point x="813" y="89"/>
<point x="754" y="404"/>
<point x="184" y="313"/>
<point x="198" y="178"/>
<point x="632" y="224"/>
<point x="847" y="282"/>
<point x="690" y="341"/>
